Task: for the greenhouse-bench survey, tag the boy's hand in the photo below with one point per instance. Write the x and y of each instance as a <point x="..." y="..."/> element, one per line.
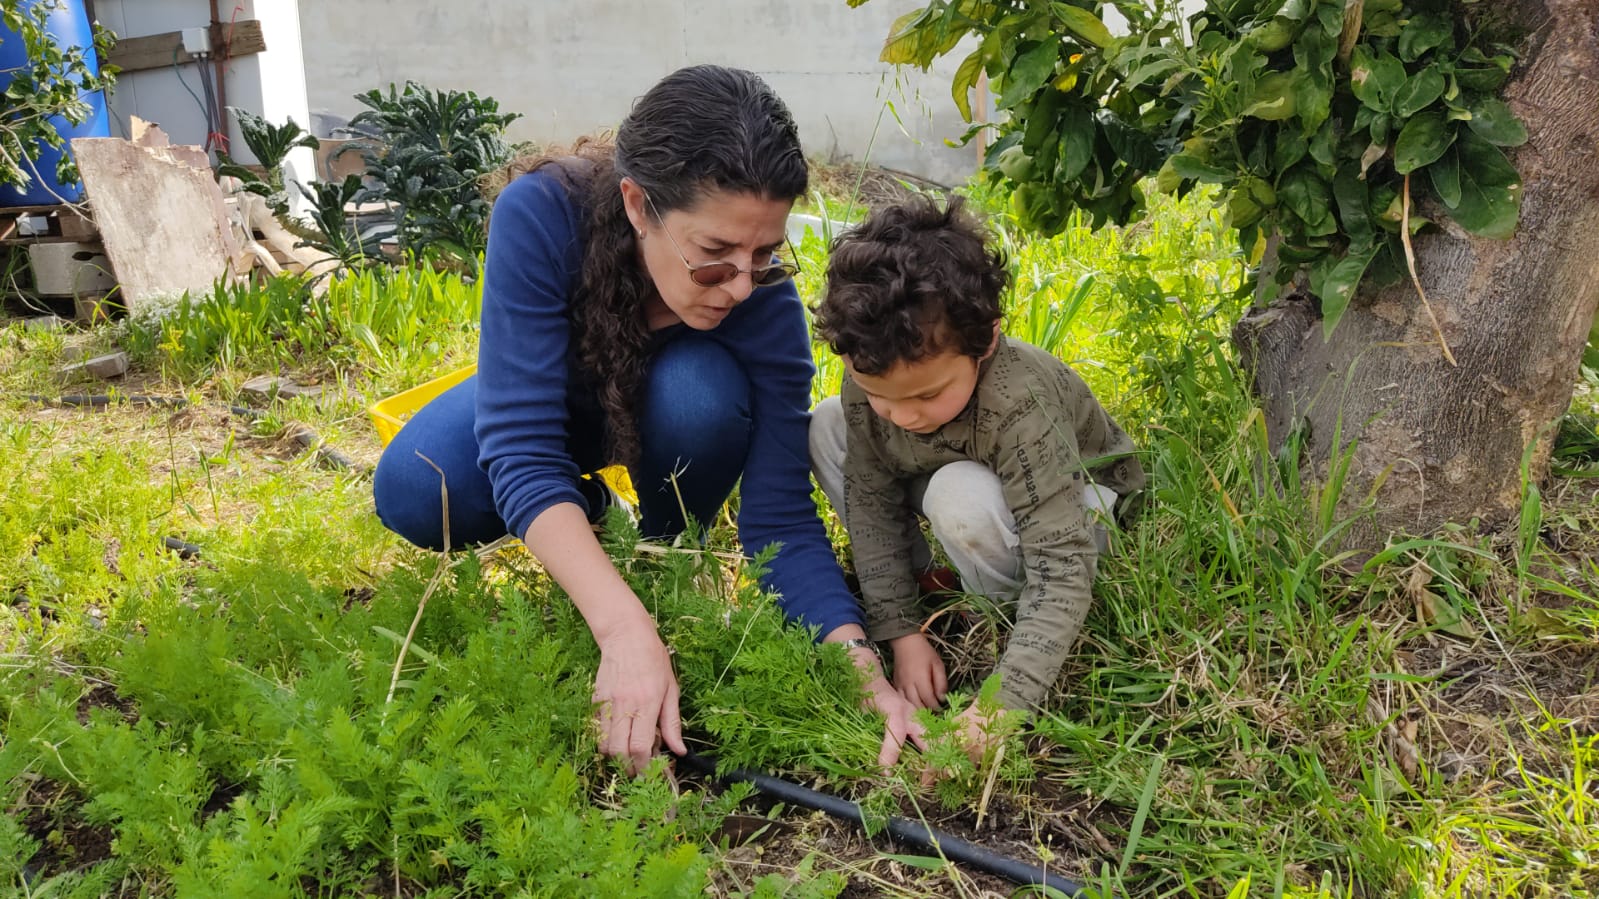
<point x="918" y="671"/>
<point x="979" y="734"/>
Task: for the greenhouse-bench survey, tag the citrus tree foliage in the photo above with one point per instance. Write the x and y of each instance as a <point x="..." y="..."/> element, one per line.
<point x="1316" y="119"/>
<point x="50" y="84"/>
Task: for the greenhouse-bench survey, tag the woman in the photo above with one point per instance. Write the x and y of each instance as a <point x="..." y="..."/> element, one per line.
<point x="634" y="312"/>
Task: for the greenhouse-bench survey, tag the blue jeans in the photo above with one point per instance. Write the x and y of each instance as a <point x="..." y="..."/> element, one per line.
<point x="694" y="423"/>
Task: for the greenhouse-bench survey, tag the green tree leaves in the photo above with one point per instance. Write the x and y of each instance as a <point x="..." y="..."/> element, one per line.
<point x="1493" y="121"/>
<point x="1334" y="280"/>
<point x="1308" y="114"/>
<point x="51" y="84"/>
<point x="1422" y="140"/>
<point x="1082" y="23"/>
<point x="1032" y="67"/>
<point x="1490" y="189"/>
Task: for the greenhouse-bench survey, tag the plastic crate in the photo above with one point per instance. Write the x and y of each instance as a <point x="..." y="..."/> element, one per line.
<point x="391" y="414"/>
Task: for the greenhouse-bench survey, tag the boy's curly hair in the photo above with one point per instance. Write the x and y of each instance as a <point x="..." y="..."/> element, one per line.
<point x="912" y="281"/>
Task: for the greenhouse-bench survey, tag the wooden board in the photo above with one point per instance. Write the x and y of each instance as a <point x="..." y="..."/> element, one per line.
<point x="64" y="225"/>
<point x="158" y="51"/>
<point x="161" y="217"/>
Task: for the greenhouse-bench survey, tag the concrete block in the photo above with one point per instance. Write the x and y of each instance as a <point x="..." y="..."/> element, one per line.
<point x="111" y="365"/>
<point x="43" y="323"/>
<point x="67" y="269"/>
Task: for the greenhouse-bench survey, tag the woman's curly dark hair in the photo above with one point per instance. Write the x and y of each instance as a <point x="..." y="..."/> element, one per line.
<point x="699" y="129"/>
<point x="913" y="280"/>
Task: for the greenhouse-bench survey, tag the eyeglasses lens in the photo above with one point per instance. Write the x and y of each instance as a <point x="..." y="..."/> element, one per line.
<point x="714" y="274"/>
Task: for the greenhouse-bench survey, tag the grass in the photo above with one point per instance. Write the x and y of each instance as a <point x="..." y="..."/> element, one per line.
<point x="1250" y="712"/>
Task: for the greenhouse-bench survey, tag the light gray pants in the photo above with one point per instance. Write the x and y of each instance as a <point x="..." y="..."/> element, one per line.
<point x="963" y="502"/>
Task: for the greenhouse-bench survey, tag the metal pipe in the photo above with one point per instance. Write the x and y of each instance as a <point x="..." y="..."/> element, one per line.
<point x="910" y="832"/>
<point x="219" y="62"/>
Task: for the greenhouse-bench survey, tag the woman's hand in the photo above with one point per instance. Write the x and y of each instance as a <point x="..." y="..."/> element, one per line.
<point x="635" y="689"/>
<point x="900" y="718"/>
<point x="919" y="671"/>
<point x="636" y="696"/>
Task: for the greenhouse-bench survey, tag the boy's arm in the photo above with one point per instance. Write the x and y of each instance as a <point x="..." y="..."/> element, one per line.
<point x="880" y="522"/>
<point x="1041" y="473"/>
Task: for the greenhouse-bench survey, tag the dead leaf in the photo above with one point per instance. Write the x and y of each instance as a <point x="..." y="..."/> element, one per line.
<point x="1434" y="610"/>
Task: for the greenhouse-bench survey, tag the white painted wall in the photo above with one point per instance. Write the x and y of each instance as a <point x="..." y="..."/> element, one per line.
<point x="270" y="83"/>
<point x="573" y="68"/>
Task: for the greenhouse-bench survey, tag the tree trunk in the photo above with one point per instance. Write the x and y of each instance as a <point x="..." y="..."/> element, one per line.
<point x="1444" y="442"/>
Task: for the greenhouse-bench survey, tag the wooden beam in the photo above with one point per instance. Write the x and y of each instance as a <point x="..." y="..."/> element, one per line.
<point x="158" y="51"/>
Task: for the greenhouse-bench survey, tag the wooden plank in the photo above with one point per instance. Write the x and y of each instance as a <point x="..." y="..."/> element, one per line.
<point x="32" y="210"/>
<point x="77" y="227"/>
<point x="64" y="223"/>
<point x="38" y="238"/>
<point x="240" y="38"/>
<point x="157" y="51"/>
<point x="161" y="217"/>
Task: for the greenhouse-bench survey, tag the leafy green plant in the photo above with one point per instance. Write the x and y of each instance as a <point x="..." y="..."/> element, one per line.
<point x="397" y="325"/>
<point x="962" y="781"/>
<point x="1319" y="121"/>
<point x="271" y="144"/>
<point x="337" y="234"/>
<point x="51" y="84"/>
<point x="434" y="147"/>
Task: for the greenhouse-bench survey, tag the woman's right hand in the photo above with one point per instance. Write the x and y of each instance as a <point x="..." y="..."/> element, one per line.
<point x="635" y="690"/>
<point x="636" y="696"/>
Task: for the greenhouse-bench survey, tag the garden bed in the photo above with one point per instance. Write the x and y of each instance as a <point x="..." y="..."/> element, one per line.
<point x="1249" y="712"/>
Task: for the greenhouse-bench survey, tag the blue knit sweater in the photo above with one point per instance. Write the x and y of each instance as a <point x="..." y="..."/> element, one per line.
<point x="525" y="379"/>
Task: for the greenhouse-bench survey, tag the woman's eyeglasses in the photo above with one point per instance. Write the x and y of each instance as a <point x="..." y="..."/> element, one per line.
<point x="714" y="274"/>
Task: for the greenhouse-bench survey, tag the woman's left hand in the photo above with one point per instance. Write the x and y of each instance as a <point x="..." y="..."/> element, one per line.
<point x="901" y="723"/>
<point x="900" y="715"/>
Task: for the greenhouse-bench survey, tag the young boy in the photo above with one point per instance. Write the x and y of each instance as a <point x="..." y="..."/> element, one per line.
<point x="997" y="443"/>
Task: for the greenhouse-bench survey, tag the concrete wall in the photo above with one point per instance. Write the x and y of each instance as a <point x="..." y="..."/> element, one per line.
<point x="573" y="68"/>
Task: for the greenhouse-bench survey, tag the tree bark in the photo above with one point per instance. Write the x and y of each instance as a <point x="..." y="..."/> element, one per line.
<point x="1443" y="443"/>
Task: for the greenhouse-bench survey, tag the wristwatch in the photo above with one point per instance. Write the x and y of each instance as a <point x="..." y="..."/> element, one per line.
<point x="862" y="643"/>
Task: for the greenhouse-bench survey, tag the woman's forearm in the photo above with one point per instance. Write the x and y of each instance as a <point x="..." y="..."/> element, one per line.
<point x="561" y="539"/>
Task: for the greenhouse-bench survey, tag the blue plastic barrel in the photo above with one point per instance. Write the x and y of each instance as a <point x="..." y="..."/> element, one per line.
<point x="67" y="26"/>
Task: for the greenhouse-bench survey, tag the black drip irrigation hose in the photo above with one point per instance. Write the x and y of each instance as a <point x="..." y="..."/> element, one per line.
<point x="307" y="439"/>
<point x="183" y="548"/>
<point x="912" y="833"/>
<point x="101" y="400"/>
